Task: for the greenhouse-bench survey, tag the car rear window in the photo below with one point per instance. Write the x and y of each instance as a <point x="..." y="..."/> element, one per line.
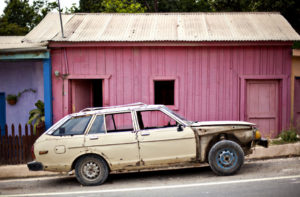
<point x="74" y="126"/>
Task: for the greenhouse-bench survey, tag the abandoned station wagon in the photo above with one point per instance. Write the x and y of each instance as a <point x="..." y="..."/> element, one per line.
<point x="137" y="137"/>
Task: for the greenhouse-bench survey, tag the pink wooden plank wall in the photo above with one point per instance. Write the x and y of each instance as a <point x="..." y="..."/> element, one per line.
<point x="209" y="77"/>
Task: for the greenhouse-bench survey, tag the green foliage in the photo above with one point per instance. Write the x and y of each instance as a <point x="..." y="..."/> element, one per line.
<point x="122" y="6"/>
<point x="11" y="97"/>
<point x="290" y="9"/>
<point x="90" y="6"/>
<point x="289" y="135"/>
<point x="296" y="45"/>
<point x="19" y="17"/>
<point x="175" y="5"/>
<point x="72" y="9"/>
<point x="37" y="115"/>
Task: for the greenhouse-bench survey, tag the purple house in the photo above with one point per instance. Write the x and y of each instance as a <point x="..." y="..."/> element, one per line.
<point x="205" y="66"/>
<point x="24" y="68"/>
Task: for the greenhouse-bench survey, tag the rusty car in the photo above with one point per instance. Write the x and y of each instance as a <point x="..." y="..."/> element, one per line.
<point x="96" y="142"/>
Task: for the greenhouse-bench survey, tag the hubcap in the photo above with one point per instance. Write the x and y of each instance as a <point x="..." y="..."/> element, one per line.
<point x="91" y="170"/>
<point x="226" y="158"/>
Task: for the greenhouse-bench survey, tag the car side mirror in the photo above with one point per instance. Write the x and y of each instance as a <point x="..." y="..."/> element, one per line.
<point x="62" y="131"/>
<point x="180" y="128"/>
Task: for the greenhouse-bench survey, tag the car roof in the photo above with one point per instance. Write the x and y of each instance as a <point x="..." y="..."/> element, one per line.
<point x="118" y="108"/>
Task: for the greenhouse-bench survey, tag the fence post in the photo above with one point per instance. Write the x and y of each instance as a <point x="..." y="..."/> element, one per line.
<point x="1" y="147"/>
<point x="6" y="144"/>
<point x="26" y="142"/>
<point x="20" y="145"/>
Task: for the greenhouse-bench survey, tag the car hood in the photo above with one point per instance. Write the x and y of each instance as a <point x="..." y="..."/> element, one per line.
<point x="219" y="123"/>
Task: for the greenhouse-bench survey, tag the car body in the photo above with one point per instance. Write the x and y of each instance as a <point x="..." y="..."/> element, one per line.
<point x="138" y="137"/>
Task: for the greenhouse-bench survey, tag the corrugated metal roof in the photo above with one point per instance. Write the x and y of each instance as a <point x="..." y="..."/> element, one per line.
<point x="14" y="43"/>
<point x="228" y="26"/>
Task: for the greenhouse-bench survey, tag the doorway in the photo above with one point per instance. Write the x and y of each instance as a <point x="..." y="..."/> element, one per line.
<point x="2" y="112"/>
<point x="262" y="105"/>
<point x="297" y="104"/>
<point x="86" y="93"/>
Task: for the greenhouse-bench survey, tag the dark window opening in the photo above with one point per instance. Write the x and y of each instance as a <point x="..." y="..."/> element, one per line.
<point x="97" y="93"/>
<point x="164" y="92"/>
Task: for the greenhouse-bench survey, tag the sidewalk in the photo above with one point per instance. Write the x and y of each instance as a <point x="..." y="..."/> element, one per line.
<point x="275" y="151"/>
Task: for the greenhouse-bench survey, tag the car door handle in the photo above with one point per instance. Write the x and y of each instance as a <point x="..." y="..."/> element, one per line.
<point x="93" y="137"/>
<point x="145" y="133"/>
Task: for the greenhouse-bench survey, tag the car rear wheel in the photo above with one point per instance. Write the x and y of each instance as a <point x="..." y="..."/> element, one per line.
<point x="91" y="170"/>
<point x="226" y="157"/>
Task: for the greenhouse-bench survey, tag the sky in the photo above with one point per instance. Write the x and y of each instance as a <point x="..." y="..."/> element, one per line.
<point x="63" y="4"/>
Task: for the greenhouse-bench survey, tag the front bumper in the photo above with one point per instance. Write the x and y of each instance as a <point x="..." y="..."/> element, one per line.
<point x="35" y="166"/>
<point x="262" y="142"/>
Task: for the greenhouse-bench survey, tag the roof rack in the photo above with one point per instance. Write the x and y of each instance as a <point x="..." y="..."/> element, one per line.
<point x="127" y="105"/>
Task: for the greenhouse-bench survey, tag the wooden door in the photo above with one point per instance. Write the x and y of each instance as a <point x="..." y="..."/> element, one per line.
<point x="297" y="103"/>
<point x="81" y="95"/>
<point x="262" y="105"/>
<point x="2" y="112"/>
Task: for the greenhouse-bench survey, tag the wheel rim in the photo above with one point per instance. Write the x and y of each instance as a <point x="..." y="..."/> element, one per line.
<point x="226" y="158"/>
<point x="91" y="170"/>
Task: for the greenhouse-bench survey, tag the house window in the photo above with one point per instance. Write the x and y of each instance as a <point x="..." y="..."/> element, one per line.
<point x="164" y="92"/>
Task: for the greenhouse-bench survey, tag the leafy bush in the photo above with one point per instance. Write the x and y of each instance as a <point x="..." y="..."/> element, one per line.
<point x="37" y="115"/>
<point x="289" y="135"/>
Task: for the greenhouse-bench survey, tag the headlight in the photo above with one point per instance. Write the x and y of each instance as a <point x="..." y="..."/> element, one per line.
<point x="257" y="135"/>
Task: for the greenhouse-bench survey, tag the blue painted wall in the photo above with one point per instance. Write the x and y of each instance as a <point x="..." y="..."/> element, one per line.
<point x="2" y="112"/>
<point x="47" y="92"/>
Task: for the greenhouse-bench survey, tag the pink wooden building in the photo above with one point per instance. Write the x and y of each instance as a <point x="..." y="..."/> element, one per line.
<point x="205" y="66"/>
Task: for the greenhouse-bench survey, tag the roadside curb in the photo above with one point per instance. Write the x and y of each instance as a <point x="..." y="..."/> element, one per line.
<point x="259" y="153"/>
<point x="275" y="151"/>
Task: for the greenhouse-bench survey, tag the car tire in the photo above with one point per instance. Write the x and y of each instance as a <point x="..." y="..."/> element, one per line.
<point x="226" y="157"/>
<point x="91" y="170"/>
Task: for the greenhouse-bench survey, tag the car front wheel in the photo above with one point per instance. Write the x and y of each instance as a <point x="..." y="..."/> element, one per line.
<point x="226" y="157"/>
<point x="91" y="170"/>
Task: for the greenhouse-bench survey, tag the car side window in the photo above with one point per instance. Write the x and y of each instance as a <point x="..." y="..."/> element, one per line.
<point x="119" y="122"/>
<point x="154" y="119"/>
<point x="98" y="125"/>
<point x="74" y="126"/>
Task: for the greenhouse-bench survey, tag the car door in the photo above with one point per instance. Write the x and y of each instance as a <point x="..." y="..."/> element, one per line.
<point x="161" y="142"/>
<point x="65" y="143"/>
<point x="112" y="136"/>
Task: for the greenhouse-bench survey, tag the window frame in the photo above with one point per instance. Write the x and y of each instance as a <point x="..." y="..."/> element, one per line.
<point x="87" y="127"/>
<point x="162" y="111"/>
<point x="133" y="120"/>
<point x="153" y="79"/>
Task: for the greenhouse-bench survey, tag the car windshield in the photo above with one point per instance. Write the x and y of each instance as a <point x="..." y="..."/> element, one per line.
<point x="177" y="115"/>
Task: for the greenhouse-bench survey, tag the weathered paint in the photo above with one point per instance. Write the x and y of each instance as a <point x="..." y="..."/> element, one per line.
<point x="162" y="147"/>
<point x="2" y="113"/>
<point x="297" y="104"/>
<point x="15" y="77"/>
<point x="210" y="78"/>
<point x="47" y="92"/>
<point x="295" y="74"/>
<point x="37" y="55"/>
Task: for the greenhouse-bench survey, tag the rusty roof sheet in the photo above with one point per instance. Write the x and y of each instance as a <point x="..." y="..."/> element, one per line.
<point x="14" y="43"/>
<point x="107" y="27"/>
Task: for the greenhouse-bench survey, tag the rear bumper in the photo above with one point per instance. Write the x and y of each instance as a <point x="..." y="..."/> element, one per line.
<point x="35" y="166"/>
<point x="262" y="142"/>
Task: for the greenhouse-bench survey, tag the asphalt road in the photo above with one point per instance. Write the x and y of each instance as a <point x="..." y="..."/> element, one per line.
<point x="276" y="177"/>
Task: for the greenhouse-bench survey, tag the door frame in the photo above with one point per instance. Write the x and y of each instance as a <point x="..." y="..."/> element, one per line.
<point x="283" y="93"/>
<point x="2" y="123"/>
<point x="296" y="77"/>
<point x="67" y="90"/>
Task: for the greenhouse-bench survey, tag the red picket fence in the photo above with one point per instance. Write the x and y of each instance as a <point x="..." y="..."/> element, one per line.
<point x="16" y="148"/>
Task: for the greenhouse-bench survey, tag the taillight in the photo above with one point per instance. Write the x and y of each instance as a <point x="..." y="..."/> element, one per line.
<point x="32" y="152"/>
